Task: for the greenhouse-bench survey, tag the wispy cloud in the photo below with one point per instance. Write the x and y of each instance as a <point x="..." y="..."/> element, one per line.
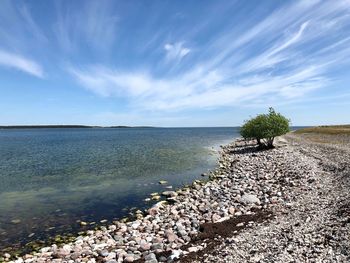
<point x="196" y="89"/>
<point x="18" y="28"/>
<point x="95" y="24"/>
<point x="31" y="25"/>
<point x="273" y="56"/>
<point x="18" y="62"/>
<point x="176" y="51"/>
<point x="283" y="55"/>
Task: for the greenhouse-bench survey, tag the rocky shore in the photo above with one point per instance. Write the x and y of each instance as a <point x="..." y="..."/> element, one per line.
<point x="289" y="204"/>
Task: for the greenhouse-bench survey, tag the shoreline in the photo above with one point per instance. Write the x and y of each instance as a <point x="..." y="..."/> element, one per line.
<point x="312" y="223"/>
<point x="215" y="149"/>
<point x="61" y="221"/>
<point x="128" y="214"/>
<point x="246" y="191"/>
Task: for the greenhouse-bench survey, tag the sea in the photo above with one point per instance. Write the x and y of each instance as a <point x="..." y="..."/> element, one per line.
<point x="52" y="179"/>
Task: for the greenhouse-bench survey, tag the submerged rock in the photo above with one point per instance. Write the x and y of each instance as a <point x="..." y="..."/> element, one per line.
<point x="16" y="221"/>
<point x="156" y="197"/>
<point x="169" y="194"/>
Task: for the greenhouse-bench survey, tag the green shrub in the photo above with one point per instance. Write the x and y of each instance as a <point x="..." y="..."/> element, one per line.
<point x="265" y="127"/>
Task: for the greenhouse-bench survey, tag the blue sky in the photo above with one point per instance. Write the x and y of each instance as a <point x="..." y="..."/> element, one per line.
<point x="173" y="63"/>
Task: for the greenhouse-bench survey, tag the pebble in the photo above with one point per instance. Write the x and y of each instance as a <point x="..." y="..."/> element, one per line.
<point x="304" y="183"/>
<point x="192" y="249"/>
<point x="238" y="186"/>
<point x="103" y="253"/>
<point x="129" y="258"/>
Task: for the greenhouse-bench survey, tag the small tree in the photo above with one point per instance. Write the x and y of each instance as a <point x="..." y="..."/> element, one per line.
<point x="265" y="127"/>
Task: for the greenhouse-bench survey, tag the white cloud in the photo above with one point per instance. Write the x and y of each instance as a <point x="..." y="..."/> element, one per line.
<point x="106" y="82"/>
<point x="315" y="17"/>
<point x="295" y="38"/>
<point x="176" y="51"/>
<point x="238" y="68"/>
<point x="196" y="89"/>
<point x="11" y="60"/>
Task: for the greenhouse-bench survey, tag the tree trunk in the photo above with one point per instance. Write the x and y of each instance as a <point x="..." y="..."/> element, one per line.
<point x="259" y="141"/>
<point x="270" y="142"/>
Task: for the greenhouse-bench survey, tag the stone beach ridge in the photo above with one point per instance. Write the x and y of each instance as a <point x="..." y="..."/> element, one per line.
<point x="288" y="204"/>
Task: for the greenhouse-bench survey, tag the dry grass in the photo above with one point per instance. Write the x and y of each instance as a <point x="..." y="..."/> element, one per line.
<point x="331" y="130"/>
<point x="336" y="134"/>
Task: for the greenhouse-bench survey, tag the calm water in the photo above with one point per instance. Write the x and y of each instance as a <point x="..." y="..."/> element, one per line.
<point x="50" y="178"/>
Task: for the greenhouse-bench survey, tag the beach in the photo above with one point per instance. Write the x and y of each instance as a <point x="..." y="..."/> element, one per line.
<point x="174" y="131"/>
<point x="311" y="221"/>
<point x="287" y="204"/>
<point x="53" y="179"/>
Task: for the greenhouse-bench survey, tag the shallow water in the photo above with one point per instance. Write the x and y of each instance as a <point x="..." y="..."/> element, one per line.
<point x="50" y="178"/>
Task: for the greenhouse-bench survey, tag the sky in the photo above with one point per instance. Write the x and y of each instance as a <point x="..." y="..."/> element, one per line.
<point x="173" y="63"/>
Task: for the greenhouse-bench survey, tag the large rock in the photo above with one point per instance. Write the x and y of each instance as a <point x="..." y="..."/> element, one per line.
<point x="170" y="236"/>
<point x="151" y="258"/>
<point x="145" y="246"/>
<point x="215" y="218"/>
<point x="250" y="199"/>
<point x="129" y="258"/>
<point x="175" y="254"/>
<point x="153" y="211"/>
<point x="62" y="253"/>
<point x="103" y="253"/>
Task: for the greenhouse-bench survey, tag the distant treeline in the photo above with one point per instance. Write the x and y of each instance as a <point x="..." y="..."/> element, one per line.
<point x="64" y="126"/>
<point x="43" y="126"/>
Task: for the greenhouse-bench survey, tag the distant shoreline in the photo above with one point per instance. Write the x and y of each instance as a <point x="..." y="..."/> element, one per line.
<point x="67" y="126"/>
<point x="76" y="126"/>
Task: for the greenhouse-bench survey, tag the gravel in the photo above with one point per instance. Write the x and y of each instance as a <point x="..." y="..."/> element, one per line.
<point x="289" y="204"/>
<point x="313" y="222"/>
